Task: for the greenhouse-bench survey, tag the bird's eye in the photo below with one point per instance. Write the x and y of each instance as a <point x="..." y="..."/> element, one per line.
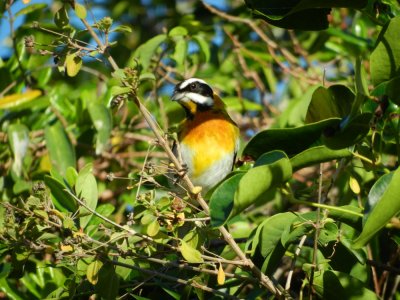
<point x="193" y="86"/>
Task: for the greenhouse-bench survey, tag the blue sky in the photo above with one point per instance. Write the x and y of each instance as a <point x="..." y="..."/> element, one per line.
<point x="5" y="42"/>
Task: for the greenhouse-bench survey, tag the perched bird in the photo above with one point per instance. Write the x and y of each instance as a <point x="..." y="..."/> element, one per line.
<point x="208" y="139"/>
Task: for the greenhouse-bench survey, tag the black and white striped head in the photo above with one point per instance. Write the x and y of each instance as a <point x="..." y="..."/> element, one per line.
<point x="193" y="94"/>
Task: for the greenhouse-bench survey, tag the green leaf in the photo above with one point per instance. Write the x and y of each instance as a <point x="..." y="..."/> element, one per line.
<point x="348" y="134"/>
<point x="145" y="52"/>
<point x="316" y="155"/>
<point x="80" y="11"/>
<point x="86" y="189"/>
<point x="73" y="64"/>
<point x="290" y="140"/>
<point x="122" y="28"/>
<point x="240" y="104"/>
<point x="180" y="53"/>
<point x="61" y="151"/>
<point x="102" y="121"/>
<point x="204" y="47"/>
<point x="269" y="244"/>
<point x="178" y="31"/>
<point x="61" y="18"/>
<point x="333" y="102"/>
<point x="108" y="283"/>
<point x="385" y="59"/>
<point x="92" y="272"/>
<point x="387" y="207"/>
<point x="190" y="254"/>
<point x="61" y="199"/>
<point x="338" y="285"/>
<point x="221" y="201"/>
<point x="120" y="90"/>
<point x="257" y="181"/>
<point x="70" y="176"/>
<point x="299" y="14"/>
<point x="303" y="224"/>
<point x="18" y="138"/>
<point x="30" y="8"/>
<point x="390" y="89"/>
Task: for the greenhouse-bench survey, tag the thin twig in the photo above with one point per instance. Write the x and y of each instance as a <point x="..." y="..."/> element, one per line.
<point x="296" y="254"/>
<point x="193" y="283"/>
<point x="375" y="280"/>
<point x="316" y="235"/>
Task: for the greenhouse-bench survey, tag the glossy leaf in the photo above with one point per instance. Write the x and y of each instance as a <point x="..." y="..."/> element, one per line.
<point x="333" y="102"/>
<point x="269" y="243"/>
<point x="18" y="137"/>
<point x="350" y="134"/>
<point x="258" y="180"/>
<point x="387" y="207"/>
<point x="338" y="285"/>
<point x="61" y="151"/>
<point x="316" y="155"/>
<point x="290" y="140"/>
<point x="299" y="14"/>
<point x="86" y="190"/>
<point x="242" y="190"/>
<point x="390" y="89"/>
<point x="61" y="199"/>
<point x="385" y="59"/>
<point x="102" y="121"/>
<point x="221" y="201"/>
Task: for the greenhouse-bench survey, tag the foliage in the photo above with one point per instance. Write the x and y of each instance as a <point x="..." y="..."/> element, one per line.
<point x="86" y="207"/>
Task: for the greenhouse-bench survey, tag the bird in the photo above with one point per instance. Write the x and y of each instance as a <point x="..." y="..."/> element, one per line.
<point x="207" y="139"/>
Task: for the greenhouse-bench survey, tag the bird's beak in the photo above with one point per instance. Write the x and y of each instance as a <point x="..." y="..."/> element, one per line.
<point x="176" y="96"/>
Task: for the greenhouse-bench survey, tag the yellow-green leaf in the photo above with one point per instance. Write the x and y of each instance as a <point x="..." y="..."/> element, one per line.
<point x="190" y="254"/>
<point x="153" y="228"/>
<point x="92" y="272"/>
<point x="18" y="99"/>
<point x="73" y="63"/>
<point x="80" y="11"/>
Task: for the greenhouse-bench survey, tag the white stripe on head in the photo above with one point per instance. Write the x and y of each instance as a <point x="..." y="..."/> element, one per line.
<point x="189" y="81"/>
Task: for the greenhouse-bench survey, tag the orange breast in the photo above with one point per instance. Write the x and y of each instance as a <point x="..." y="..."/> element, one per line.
<point x="210" y="135"/>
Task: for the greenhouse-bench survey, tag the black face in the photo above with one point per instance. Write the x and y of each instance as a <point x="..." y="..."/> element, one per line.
<point x="195" y="87"/>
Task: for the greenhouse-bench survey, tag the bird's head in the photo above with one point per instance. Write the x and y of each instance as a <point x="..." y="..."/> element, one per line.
<point x="195" y="95"/>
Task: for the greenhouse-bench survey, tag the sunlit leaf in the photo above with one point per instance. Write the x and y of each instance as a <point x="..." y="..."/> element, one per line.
<point x="62" y="153"/>
<point x="15" y="100"/>
<point x="191" y="254"/>
<point x="18" y="137"/>
<point x="92" y="272"/>
<point x="387" y="207"/>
